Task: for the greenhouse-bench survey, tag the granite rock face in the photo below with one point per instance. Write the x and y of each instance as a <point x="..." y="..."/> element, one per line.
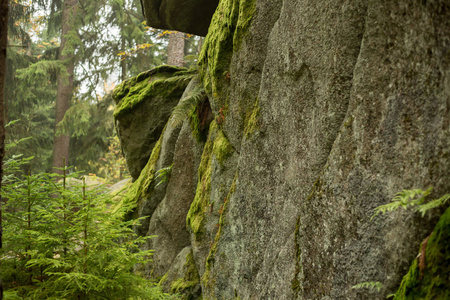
<point x="191" y="16"/>
<point x="323" y="110"/>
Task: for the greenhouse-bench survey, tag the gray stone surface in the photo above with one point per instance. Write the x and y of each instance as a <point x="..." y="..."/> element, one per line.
<point x="191" y="16"/>
<point x="182" y="277"/>
<point x="168" y="221"/>
<point x="148" y="202"/>
<point x="352" y="102"/>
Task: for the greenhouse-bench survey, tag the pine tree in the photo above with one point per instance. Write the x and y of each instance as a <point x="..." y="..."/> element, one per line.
<point x="65" y="85"/>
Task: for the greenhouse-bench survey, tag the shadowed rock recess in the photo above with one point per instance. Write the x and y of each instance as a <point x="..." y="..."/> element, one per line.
<point x="322" y="111"/>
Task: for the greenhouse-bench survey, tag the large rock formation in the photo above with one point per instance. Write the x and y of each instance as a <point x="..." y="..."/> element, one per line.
<point x="191" y="16"/>
<point x="143" y="106"/>
<point x="323" y="110"/>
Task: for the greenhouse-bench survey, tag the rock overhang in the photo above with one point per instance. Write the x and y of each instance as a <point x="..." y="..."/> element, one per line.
<point x="190" y="16"/>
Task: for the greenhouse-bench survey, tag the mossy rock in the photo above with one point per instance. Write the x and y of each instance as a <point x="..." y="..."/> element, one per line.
<point x="191" y="16"/>
<point x="432" y="279"/>
<point x="183" y="278"/>
<point x="229" y="25"/>
<point x="143" y="106"/>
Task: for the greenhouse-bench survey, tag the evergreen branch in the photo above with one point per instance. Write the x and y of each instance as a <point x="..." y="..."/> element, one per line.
<point x="42" y="68"/>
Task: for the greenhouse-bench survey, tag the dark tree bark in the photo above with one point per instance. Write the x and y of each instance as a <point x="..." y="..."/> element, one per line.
<point x="65" y="86"/>
<point x="175" y="49"/>
<point x="3" y="46"/>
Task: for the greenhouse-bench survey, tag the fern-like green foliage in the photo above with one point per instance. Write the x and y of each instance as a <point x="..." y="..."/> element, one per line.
<point x="186" y="107"/>
<point x="369" y="285"/>
<point x="408" y="198"/>
<point x="432" y="204"/>
<point x="163" y="175"/>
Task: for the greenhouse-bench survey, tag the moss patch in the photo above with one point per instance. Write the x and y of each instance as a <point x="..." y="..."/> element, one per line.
<point x="206" y="278"/>
<point x="200" y="120"/>
<point x="433" y="282"/>
<point x="188" y="283"/>
<point x="196" y="214"/>
<point x="141" y="186"/>
<point x="222" y="148"/>
<point x="252" y="122"/>
<point x="161" y="81"/>
<point x="219" y="146"/>
<point x="228" y="26"/>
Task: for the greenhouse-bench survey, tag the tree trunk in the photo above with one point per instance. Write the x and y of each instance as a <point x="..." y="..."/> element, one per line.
<point x="123" y="63"/>
<point x="175" y="49"/>
<point x="65" y="86"/>
<point x="3" y="46"/>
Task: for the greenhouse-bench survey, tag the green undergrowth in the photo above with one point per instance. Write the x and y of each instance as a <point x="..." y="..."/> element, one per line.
<point x="432" y="281"/>
<point x="162" y="81"/>
<point x="217" y="146"/>
<point x="229" y="25"/>
<point x="140" y="187"/>
<point x="206" y="278"/>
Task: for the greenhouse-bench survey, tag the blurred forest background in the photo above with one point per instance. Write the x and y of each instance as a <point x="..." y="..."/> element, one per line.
<point x="63" y="60"/>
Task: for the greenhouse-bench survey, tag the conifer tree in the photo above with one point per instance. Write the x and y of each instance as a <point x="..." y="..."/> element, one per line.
<point x="65" y="85"/>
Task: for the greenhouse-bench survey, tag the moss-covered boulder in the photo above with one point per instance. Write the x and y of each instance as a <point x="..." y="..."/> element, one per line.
<point x="429" y="275"/>
<point x="143" y="106"/>
<point x="183" y="278"/>
<point x="191" y="16"/>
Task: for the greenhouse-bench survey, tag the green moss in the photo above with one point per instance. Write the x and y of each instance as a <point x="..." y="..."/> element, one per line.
<point x="252" y="120"/>
<point x="161" y="81"/>
<point x="434" y="281"/>
<point x="228" y="27"/>
<point x="140" y="187"/>
<point x="163" y="279"/>
<point x="246" y="12"/>
<point x="222" y="148"/>
<point x="349" y="122"/>
<point x="206" y="278"/>
<point x="218" y="145"/>
<point x="189" y="281"/>
<point x="196" y="214"/>
<point x="199" y="134"/>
